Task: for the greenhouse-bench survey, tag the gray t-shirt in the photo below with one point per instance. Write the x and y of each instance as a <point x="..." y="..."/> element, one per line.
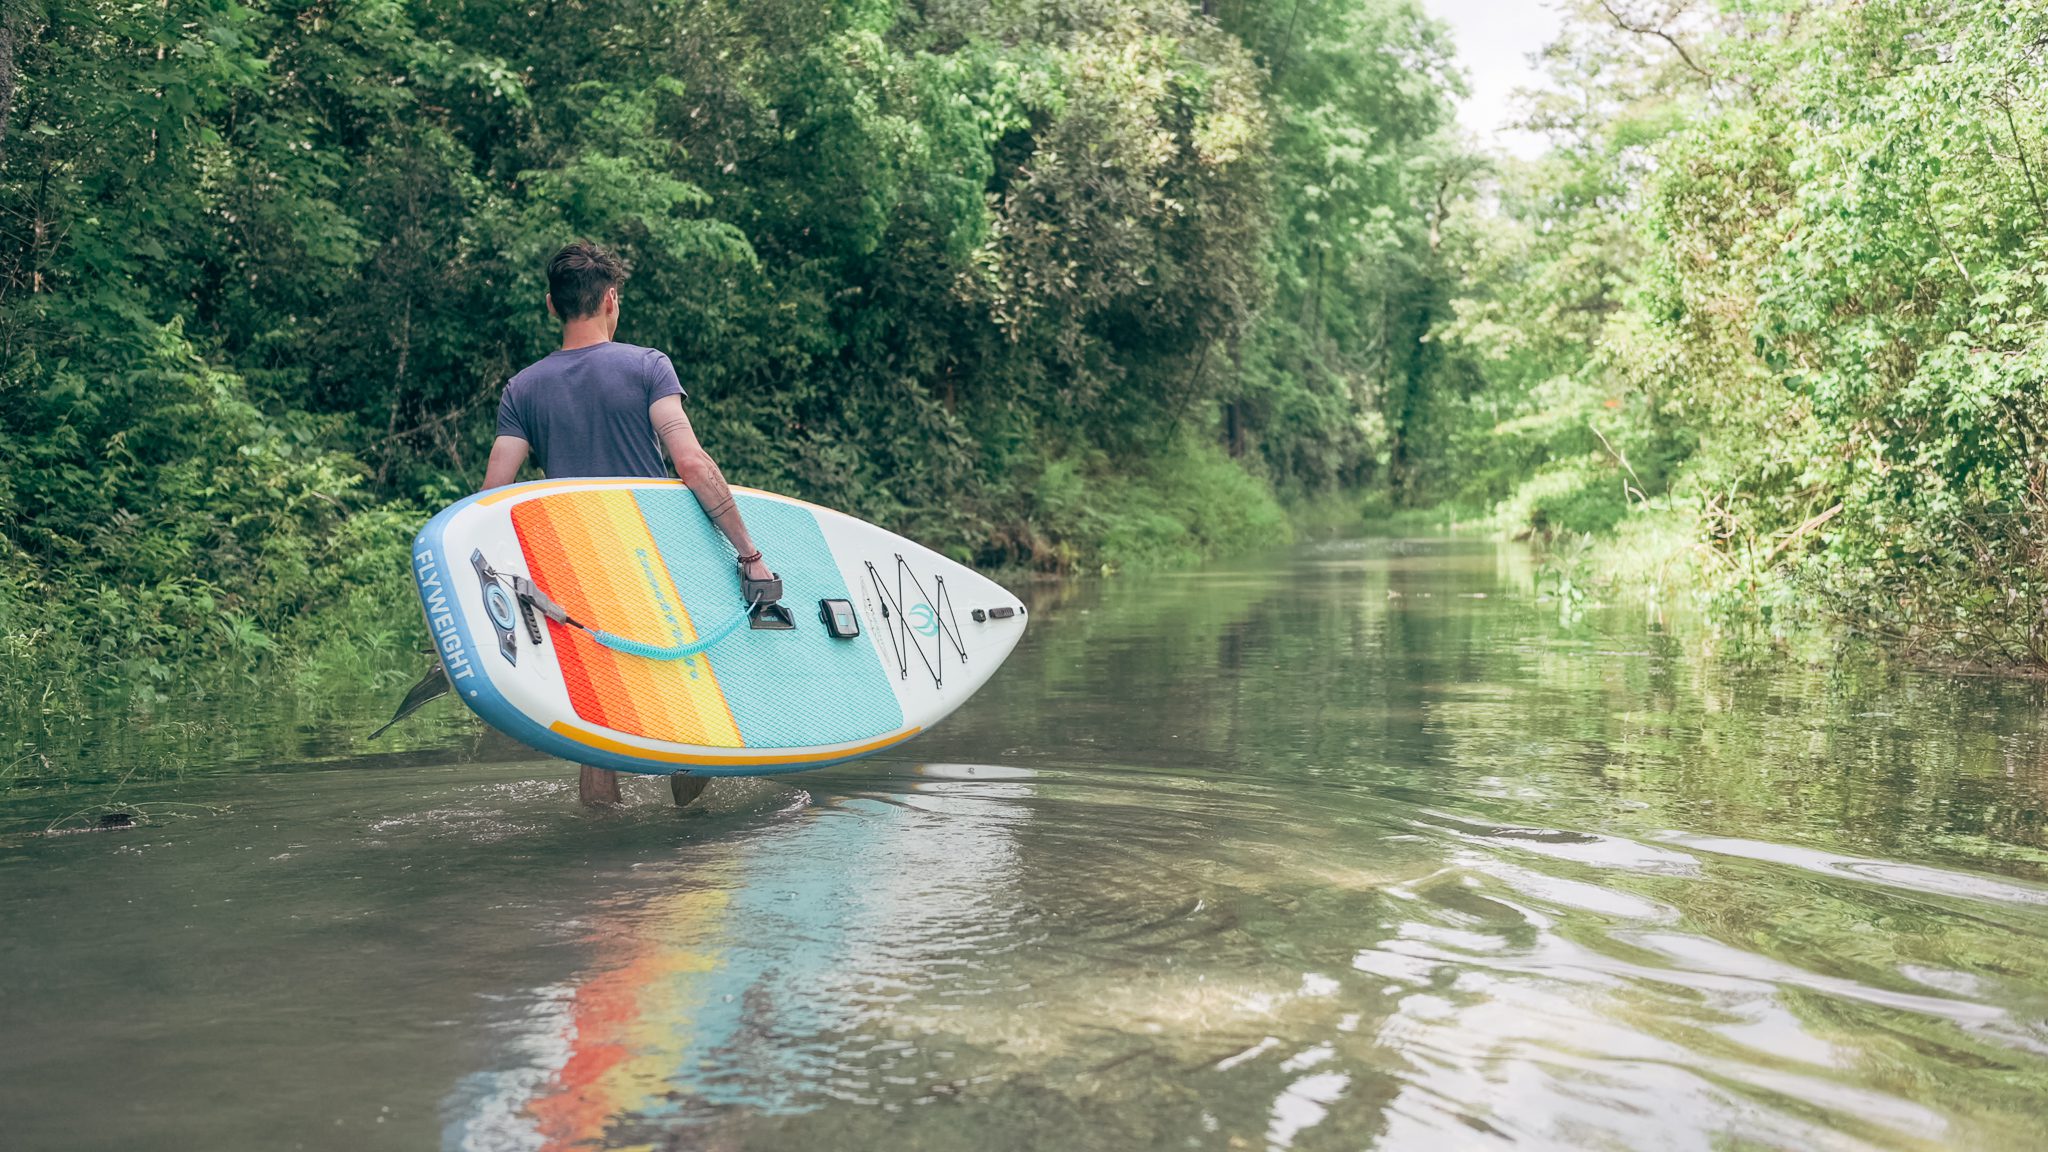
<point x="584" y="410"/>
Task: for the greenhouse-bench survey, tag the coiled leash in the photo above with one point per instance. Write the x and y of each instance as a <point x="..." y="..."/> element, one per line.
<point x="530" y="593"/>
<point x="762" y="609"/>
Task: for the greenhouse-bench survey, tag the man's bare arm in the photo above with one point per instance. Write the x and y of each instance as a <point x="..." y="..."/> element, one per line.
<point x="701" y="473"/>
<point x="507" y="454"/>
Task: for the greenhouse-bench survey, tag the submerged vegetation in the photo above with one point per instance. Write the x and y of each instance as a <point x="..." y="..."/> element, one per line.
<point x="1070" y="285"/>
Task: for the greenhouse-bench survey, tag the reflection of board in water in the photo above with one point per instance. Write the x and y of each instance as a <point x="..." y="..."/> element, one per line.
<point x="735" y="985"/>
<point x="602" y="621"/>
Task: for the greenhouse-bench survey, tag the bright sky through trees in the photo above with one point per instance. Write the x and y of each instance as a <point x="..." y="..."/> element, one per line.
<point x="1495" y="41"/>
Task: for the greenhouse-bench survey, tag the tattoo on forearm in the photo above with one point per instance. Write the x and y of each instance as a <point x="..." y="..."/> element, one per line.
<point x="717" y="501"/>
<point x="713" y="494"/>
<point x="706" y="482"/>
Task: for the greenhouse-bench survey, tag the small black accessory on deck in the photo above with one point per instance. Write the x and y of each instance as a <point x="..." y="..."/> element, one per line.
<point x="840" y="622"/>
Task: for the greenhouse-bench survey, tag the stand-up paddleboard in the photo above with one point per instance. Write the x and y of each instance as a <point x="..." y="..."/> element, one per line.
<point x="602" y="621"/>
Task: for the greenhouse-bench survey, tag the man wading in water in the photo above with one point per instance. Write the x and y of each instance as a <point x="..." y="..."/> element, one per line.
<point x="596" y="407"/>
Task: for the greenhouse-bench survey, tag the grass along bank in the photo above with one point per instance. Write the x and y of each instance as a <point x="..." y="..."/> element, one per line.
<point x="314" y="611"/>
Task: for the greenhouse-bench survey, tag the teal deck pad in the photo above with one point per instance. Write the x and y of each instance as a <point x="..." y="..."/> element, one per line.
<point x="848" y="698"/>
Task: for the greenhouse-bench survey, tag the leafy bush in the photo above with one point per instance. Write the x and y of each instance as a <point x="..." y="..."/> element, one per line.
<point x="1582" y="494"/>
<point x="1174" y="510"/>
<point x="1793" y="279"/>
<point x="1069" y="285"/>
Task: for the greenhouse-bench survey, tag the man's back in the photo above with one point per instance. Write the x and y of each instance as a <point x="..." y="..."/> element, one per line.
<point x="584" y="410"/>
<point x="600" y="408"/>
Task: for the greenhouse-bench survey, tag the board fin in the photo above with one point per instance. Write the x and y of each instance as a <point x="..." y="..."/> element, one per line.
<point x="432" y="686"/>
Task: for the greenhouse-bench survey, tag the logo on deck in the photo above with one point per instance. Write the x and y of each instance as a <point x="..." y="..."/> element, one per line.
<point x="924" y="620"/>
<point x="441" y="616"/>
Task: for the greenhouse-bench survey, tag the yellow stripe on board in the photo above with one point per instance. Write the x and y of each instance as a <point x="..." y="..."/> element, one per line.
<point x="593" y="740"/>
<point x="631" y="594"/>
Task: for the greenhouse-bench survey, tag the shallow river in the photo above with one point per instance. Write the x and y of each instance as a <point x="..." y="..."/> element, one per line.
<point x="1362" y="851"/>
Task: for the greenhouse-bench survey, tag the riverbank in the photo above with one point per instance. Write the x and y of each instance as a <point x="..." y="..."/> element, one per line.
<point x="1739" y="600"/>
<point x="250" y="348"/>
<point x="1646" y="556"/>
<point x="331" y="600"/>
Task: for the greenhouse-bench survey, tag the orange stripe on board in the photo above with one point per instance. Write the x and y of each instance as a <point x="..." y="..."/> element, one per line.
<point x="596" y="688"/>
<point x="546" y="564"/>
<point x="666" y="694"/>
<point x="602" y="606"/>
<point x="586" y="550"/>
<point x="588" y="669"/>
<point x="594" y="740"/>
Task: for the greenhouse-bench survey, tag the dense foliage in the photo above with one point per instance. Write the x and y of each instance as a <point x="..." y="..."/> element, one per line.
<point x="1780" y="288"/>
<point x="1060" y="283"/>
<point x="1064" y="284"/>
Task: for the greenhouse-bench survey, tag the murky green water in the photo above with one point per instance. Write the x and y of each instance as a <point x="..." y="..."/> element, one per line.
<point x="1367" y="852"/>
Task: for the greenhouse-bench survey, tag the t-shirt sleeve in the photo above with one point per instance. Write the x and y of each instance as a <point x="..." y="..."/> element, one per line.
<point x="510" y="423"/>
<point x="661" y="378"/>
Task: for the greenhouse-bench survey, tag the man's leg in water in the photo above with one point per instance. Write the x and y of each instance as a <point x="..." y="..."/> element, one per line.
<point x="685" y="787"/>
<point x="598" y="787"/>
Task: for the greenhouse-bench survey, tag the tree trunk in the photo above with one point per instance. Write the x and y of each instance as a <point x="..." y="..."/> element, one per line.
<point x="7" y="31"/>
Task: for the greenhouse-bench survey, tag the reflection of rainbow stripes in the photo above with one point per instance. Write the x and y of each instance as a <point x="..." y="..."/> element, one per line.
<point x="723" y="994"/>
<point x="630" y="1021"/>
<point x="591" y="551"/>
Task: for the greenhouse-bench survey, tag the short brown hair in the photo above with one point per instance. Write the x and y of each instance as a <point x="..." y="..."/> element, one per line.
<point x="579" y="276"/>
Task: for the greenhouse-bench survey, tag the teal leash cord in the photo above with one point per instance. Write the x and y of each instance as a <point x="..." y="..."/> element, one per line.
<point x="530" y="593"/>
<point x="695" y="647"/>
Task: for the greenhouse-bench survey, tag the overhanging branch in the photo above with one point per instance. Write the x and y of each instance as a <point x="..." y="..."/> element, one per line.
<point x="1646" y="30"/>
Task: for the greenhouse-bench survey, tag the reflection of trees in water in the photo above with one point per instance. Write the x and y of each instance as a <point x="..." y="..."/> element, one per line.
<point x="1343" y="854"/>
<point x="1232" y="721"/>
